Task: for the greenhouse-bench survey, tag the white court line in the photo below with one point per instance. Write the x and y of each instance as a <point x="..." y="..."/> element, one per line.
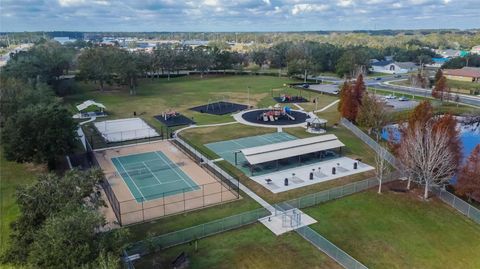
<point x="149" y="186"/>
<point x="150" y="170"/>
<point x="141" y="193"/>
<point x="174" y="170"/>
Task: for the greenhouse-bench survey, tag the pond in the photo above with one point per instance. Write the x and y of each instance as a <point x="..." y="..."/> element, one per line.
<point x="469" y="135"/>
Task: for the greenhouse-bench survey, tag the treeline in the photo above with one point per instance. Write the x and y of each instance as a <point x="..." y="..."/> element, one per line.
<point x="108" y="65"/>
<point x="442" y="39"/>
<point x="59" y="223"/>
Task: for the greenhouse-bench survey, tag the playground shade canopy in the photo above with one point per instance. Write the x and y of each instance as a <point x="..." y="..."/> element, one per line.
<point x="88" y="103"/>
<point x="287" y="149"/>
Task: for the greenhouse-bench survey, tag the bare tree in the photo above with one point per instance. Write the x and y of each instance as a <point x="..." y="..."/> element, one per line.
<point x="426" y="155"/>
<point x="382" y="167"/>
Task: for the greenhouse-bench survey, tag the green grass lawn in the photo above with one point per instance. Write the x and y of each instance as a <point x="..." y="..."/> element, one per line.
<point x="12" y="175"/>
<point x="252" y="247"/>
<point x="394" y="230"/>
<point x="180" y="94"/>
<point x="139" y="232"/>
<point x="355" y="148"/>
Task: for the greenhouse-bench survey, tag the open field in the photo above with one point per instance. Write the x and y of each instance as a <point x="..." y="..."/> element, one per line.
<point x="253" y="247"/>
<point x="180" y="94"/>
<point x="394" y="230"/>
<point x="12" y="175"/>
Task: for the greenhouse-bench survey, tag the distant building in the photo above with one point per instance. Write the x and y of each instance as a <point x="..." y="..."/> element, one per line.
<point x="475" y="50"/>
<point x="451" y="53"/>
<point x="437" y="62"/>
<point x="64" y="39"/>
<point x="470" y="74"/>
<point x="391" y="67"/>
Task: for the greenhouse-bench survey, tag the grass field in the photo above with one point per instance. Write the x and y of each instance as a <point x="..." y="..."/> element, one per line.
<point x="138" y="232"/>
<point x="252" y="247"/>
<point x="395" y="230"/>
<point x="180" y="94"/>
<point x="12" y="175"/>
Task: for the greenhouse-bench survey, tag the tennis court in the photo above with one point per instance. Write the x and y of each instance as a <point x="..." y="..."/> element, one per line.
<point x="227" y="149"/>
<point x="152" y="175"/>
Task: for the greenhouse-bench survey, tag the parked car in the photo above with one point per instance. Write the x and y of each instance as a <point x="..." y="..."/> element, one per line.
<point x="398" y="76"/>
<point x="390" y="96"/>
<point x="403" y="98"/>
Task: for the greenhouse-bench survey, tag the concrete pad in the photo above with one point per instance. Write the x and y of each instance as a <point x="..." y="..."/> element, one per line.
<point x="276" y="222"/>
<point x="300" y="176"/>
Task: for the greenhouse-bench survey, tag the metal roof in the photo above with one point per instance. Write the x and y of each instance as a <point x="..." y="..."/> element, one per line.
<point x="292" y="148"/>
<point x="88" y="103"/>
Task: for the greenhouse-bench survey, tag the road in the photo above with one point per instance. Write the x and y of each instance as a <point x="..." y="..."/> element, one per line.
<point x="384" y="84"/>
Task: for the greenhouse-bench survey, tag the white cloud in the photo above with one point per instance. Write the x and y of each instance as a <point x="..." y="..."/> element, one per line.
<point x="68" y="3"/>
<point x="345" y="3"/>
<point x="307" y="8"/>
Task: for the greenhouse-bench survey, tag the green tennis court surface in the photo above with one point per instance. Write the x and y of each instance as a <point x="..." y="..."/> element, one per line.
<point x="227" y="149"/>
<point x="152" y="175"/>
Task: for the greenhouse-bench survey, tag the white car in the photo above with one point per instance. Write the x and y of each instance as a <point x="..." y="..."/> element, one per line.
<point x="403" y="98"/>
<point x="390" y="96"/>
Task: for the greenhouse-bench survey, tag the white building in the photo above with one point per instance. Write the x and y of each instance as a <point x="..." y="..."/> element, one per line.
<point x="391" y="67"/>
<point x="475" y="50"/>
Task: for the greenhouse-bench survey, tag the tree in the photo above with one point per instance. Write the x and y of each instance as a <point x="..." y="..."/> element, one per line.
<point x="359" y="89"/>
<point x="16" y="95"/>
<point x="201" y="60"/>
<point x="97" y="64"/>
<point x="372" y="115"/>
<point x="45" y="62"/>
<point x="441" y="90"/>
<point x="127" y="67"/>
<point x="259" y="57"/>
<point x="468" y="180"/>
<point x="344" y="91"/>
<point x="59" y="224"/>
<point x="39" y="133"/>
<point x="351" y="61"/>
<point x="438" y="75"/>
<point x="429" y="147"/>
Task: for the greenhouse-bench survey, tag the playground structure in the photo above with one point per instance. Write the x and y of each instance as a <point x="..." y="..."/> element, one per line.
<point x="173" y="118"/>
<point x="219" y="107"/>
<point x="275" y="113"/>
<point x="288" y="98"/>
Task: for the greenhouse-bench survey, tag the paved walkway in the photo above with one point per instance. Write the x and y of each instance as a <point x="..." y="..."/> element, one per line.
<point x="328" y="106"/>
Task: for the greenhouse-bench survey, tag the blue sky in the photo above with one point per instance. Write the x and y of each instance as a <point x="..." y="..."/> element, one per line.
<point x="239" y="15"/>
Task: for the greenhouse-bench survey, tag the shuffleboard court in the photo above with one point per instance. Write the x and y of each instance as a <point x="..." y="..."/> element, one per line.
<point x="152" y="175"/>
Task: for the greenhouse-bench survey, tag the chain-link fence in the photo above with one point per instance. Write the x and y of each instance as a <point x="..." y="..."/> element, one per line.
<point x="329" y="248"/>
<point x="457" y="203"/>
<point x="335" y="193"/>
<point x="157" y="243"/>
<point x="371" y="143"/>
